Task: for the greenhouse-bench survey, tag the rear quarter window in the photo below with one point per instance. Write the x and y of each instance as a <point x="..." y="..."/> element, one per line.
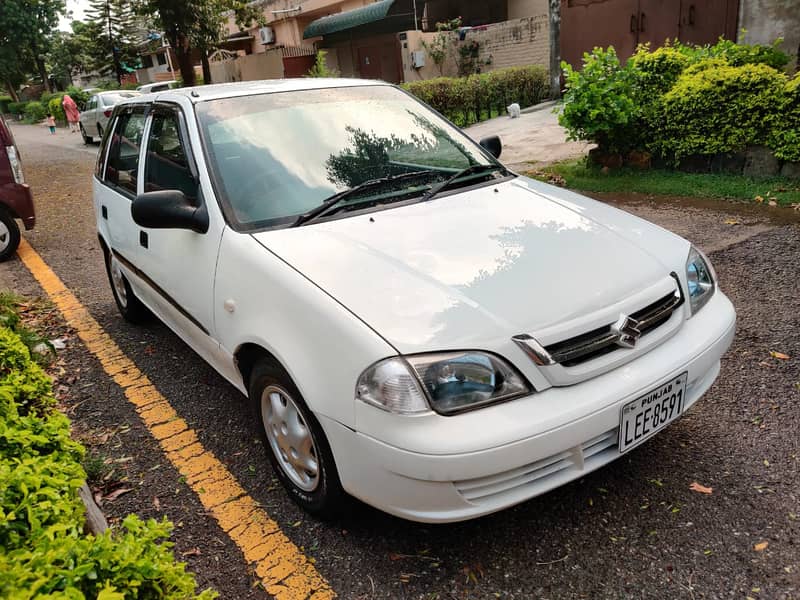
<point x="122" y="166"/>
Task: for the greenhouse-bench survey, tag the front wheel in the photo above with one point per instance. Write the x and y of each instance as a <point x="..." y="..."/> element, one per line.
<point x="295" y="443"/>
<point x="130" y="307"/>
<point x="9" y="235"/>
<point x="87" y="139"/>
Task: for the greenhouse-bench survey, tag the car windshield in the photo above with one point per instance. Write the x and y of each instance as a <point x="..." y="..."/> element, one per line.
<point x="277" y="156"/>
<point x="112" y="99"/>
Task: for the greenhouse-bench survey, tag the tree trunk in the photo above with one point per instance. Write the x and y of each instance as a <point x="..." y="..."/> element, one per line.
<point x="39" y="60"/>
<point x="555" y="49"/>
<point x="206" y="67"/>
<point x="11" y="91"/>
<point x="184" y="56"/>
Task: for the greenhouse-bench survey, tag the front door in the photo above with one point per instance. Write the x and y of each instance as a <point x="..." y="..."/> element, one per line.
<point x="369" y="62"/>
<point x="178" y="265"/>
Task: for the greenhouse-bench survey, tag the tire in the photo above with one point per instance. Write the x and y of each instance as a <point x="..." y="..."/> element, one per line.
<point x="319" y="491"/>
<point x="129" y="306"/>
<point x="9" y="235"/>
<point x="87" y="139"/>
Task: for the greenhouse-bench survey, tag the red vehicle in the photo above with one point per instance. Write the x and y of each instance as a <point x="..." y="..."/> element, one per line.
<point x="16" y="200"/>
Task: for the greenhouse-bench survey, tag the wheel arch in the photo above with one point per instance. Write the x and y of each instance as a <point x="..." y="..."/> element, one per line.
<point x="248" y="354"/>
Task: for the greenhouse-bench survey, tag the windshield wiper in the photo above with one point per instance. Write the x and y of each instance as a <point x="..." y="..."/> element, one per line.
<point x="329" y="203"/>
<point x="450" y="180"/>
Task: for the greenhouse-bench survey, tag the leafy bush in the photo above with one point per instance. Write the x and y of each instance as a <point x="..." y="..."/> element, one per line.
<point x="719" y="109"/>
<point x="4" y="102"/>
<point x="681" y="100"/>
<point x="43" y="550"/>
<point x="467" y="100"/>
<point x="17" y="108"/>
<point x="56" y="109"/>
<point x="35" y="111"/>
<point x="320" y="68"/>
<point x="785" y="136"/>
<point x="77" y="94"/>
<point x="599" y="103"/>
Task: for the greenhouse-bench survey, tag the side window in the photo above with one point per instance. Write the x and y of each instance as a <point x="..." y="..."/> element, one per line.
<point x="92" y="103"/>
<point x="123" y="156"/>
<point x="167" y="167"/>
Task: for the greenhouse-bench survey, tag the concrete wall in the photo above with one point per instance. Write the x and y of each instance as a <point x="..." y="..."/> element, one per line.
<point x="765" y="20"/>
<point x="517" y="42"/>
<point x="266" y="65"/>
<point x="517" y="9"/>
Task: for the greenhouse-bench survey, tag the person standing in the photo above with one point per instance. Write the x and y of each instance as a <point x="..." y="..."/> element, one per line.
<point x="51" y="124"/>
<point x="71" y="110"/>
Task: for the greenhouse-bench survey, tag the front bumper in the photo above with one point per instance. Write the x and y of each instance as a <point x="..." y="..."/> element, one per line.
<point x="461" y="467"/>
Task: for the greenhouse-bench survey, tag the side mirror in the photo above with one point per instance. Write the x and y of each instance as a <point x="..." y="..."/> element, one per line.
<point x="493" y="145"/>
<point x="168" y="209"/>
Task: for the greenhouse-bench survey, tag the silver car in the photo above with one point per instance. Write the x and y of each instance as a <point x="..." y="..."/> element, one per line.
<point x="94" y="119"/>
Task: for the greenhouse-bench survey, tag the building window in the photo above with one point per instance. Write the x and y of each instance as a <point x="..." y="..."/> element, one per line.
<point x="161" y="57"/>
<point x="147" y="61"/>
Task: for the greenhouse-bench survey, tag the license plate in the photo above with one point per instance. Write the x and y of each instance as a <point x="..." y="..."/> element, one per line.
<point x="651" y="412"/>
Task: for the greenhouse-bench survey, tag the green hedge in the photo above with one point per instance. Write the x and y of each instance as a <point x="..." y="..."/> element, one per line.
<point x="44" y="552"/>
<point x="17" y="108"/>
<point x="681" y="100"/>
<point x="467" y="100"/>
<point x="785" y="136"/>
<point x="4" y="102"/>
<point x="35" y="111"/>
<point x="56" y="109"/>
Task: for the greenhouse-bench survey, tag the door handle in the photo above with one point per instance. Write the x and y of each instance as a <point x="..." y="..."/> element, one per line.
<point x="642" y="22"/>
<point x="633" y="23"/>
<point x="144" y="240"/>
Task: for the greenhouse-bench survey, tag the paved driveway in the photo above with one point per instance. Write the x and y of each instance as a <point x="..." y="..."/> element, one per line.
<point x="533" y="140"/>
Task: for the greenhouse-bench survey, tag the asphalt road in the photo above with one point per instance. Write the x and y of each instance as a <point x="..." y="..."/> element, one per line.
<point x="633" y="529"/>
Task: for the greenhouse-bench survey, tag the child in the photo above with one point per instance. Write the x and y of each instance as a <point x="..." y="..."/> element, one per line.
<point x="51" y="123"/>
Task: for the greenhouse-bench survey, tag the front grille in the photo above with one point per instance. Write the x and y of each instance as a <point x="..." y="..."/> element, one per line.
<point x="601" y="341"/>
<point x="542" y="475"/>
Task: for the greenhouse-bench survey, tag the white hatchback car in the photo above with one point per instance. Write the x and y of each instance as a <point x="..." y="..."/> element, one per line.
<point x="95" y="116"/>
<point x="414" y="324"/>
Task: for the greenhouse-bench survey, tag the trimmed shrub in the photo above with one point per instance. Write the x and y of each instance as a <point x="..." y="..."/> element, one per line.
<point x="467" y="100"/>
<point x="719" y="109"/>
<point x="17" y="108"/>
<point x="785" y="136"/>
<point x="4" y="102"/>
<point x="35" y="111"/>
<point x="599" y="103"/>
<point x="43" y="549"/>
<point x="56" y="109"/>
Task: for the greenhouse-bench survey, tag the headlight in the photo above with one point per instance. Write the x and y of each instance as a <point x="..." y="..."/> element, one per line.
<point x="699" y="279"/>
<point x="450" y="382"/>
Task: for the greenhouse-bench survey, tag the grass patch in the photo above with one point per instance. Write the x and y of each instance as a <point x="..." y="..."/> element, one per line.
<point x="578" y="175"/>
<point x="11" y="307"/>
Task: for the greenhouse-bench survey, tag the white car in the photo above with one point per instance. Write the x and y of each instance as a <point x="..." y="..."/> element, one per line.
<point x="414" y="324"/>
<point x="95" y="116"/>
<point x="158" y="86"/>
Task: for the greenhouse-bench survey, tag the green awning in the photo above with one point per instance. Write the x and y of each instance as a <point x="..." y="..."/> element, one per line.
<point x="349" y="19"/>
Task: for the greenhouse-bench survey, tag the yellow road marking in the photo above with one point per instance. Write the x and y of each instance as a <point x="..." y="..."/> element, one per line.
<point x="285" y="571"/>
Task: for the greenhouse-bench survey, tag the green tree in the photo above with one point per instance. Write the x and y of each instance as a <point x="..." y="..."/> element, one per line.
<point x="115" y="44"/>
<point x="26" y="26"/>
<point x="68" y="53"/>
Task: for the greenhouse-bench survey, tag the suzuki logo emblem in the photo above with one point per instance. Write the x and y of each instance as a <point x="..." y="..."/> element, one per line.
<point x="627" y="330"/>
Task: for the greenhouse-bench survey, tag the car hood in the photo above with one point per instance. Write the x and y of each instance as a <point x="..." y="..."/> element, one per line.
<point x="471" y="267"/>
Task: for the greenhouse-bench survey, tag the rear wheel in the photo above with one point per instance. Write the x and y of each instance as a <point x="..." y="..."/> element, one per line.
<point x="87" y="139"/>
<point x="100" y="132"/>
<point x="295" y="442"/>
<point x="9" y="235"/>
<point x="130" y="307"/>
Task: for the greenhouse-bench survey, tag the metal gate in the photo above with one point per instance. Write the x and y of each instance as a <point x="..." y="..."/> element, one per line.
<point x="625" y="24"/>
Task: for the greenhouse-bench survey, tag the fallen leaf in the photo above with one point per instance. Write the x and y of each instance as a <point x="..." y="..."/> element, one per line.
<point x="731" y="222"/>
<point x="701" y="489"/>
<point x="760" y="546"/>
<point x="395" y="556"/>
<point x="759" y="199"/>
<point x="779" y="355"/>
<point x="192" y="552"/>
<point x="772" y="203"/>
<point x="117" y="493"/>
<point x="156" y="503"/>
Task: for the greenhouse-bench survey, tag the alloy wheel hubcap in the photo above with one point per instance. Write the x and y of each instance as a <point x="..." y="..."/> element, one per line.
<point x="118" y="281"/>
<point x="290" y="438"/>
<point x="5" y="236"/>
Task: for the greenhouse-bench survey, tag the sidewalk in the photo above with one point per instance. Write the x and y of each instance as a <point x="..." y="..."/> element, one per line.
<point x="533" y="140"/>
